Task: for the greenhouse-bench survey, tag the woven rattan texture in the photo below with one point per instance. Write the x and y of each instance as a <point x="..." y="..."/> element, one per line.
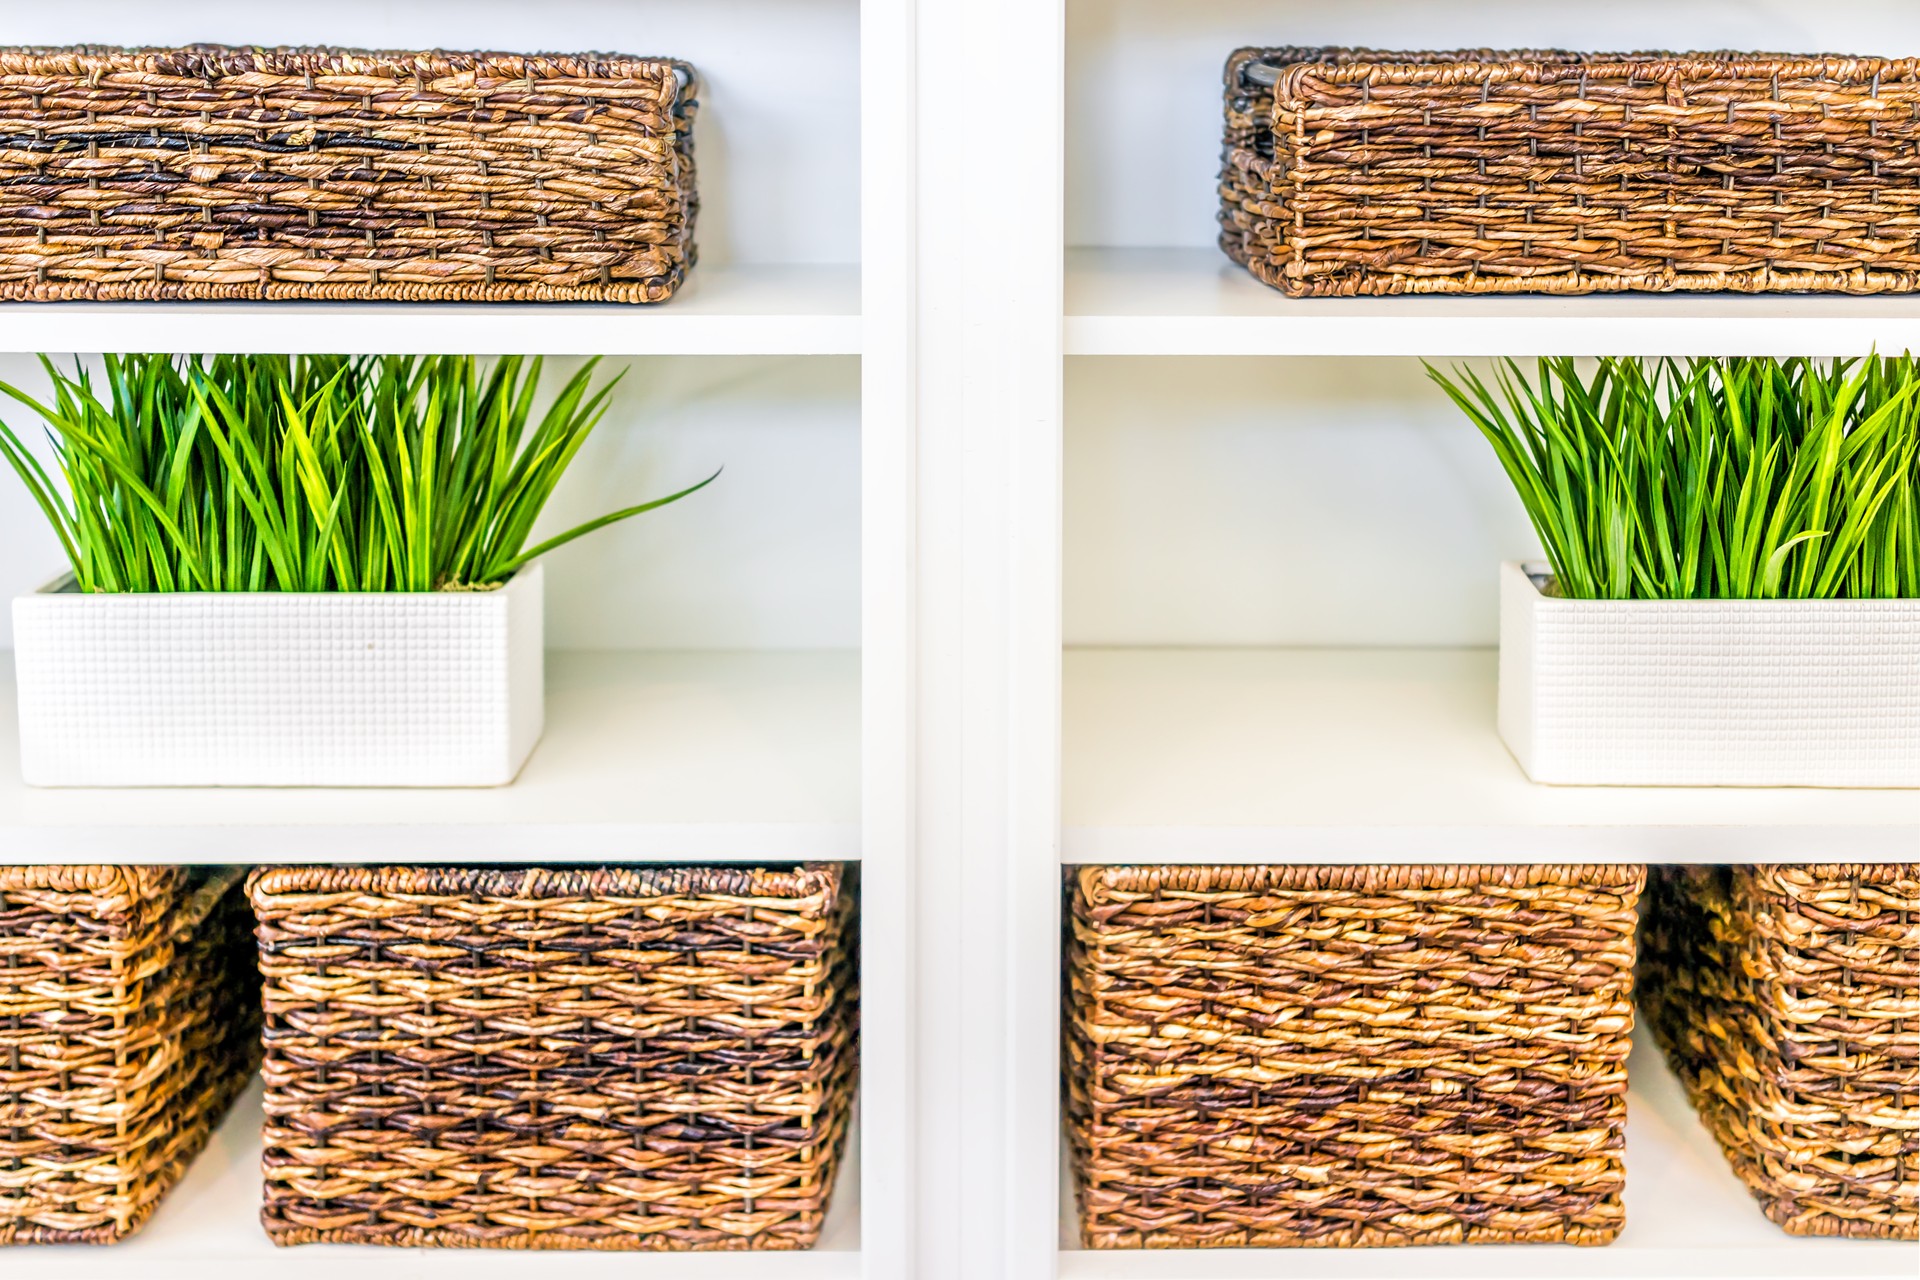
<point x="207" y="172"/>
<point x="555" y="1059"/>
<point x="129" y="1021"/>
<point x="1788" y="999"/>
<point x="1477" y="171"/>
<point x="1268" y="1056"/>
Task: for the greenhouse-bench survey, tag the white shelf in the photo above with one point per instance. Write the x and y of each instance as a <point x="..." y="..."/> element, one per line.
<point x="210" y="1226"/>
<point x="1687" y="1215"/>
<point x="1344" y="755"/>
<point x="1196" y="302"/>
<point x="720" y="310"/>
<point x="647" y="756"/>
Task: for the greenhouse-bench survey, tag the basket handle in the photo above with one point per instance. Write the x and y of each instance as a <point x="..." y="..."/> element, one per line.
<point x="194" y="911"/>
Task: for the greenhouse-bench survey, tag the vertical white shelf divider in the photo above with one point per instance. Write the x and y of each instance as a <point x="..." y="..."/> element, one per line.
<point x="888" y="1097"/>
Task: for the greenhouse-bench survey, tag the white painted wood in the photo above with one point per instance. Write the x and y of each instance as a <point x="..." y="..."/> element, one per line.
<point x="210" y="1227"/>
<point x="890" y="944"/>
<point x="1193" y="300"/>
<point x="1388" y="755"/>
<point x="746" y="309"/>
<point x="647" y="757"/>
<point x="1687" y="1215"/>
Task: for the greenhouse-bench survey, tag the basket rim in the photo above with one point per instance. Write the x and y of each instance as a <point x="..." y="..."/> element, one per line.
<point x="537" y="883"/>
<point x="1381" y="877"/>
<point x="140" y="880"/>
<point x="215" y="60"/>
<point x="1556" y="66"/>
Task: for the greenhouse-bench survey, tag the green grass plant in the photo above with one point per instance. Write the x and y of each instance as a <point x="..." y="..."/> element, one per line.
<point x="1732" y="479"/>
<point x="306" y="473"/>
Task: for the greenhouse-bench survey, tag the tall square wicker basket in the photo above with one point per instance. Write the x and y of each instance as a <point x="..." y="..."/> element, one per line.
<point x="129" y="1020"/>
<point x="651" y="1058"/>
<point x="211" y="172"/>
<point x="1389" y="1055"/>
<point x="1788" y="999"/>
<point x="1349" y="171"/>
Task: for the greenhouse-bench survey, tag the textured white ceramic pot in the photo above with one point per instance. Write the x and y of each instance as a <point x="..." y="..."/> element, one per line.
<point x="399" y="689"/>
<point x="1755" y="693"/>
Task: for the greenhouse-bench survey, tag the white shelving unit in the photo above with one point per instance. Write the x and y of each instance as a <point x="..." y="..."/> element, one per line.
<point x="1389" y="755"/>
<point x="1194" y="301"/>
<point x="759" y="309"/>
<point x="1152" y="564"/>
<point x="692" y="757"/>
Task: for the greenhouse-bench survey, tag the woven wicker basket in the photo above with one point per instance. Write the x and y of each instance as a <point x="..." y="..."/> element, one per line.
<point x="1355" y="172"/>
<point x="1265" y="1056"/>
<point x="128" y="1023"/>
<point x="1788" y="999"/>
<point x="207" y="172"/>
<point x="656" y="1058"/>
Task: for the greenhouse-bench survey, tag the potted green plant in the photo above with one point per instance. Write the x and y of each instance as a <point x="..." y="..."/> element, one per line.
<point x="293" y="570"/>
<point x="1732" y="588"/>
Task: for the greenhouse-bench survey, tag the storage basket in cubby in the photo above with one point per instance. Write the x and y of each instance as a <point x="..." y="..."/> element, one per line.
<point x="211" y="172"/>
<point x="129" y="1020"/>
<point x="1388" y="1055"/>
<point x="623" y="1058"/>
<point x="1788" y="999"/>
<point x="1349" y="171"/>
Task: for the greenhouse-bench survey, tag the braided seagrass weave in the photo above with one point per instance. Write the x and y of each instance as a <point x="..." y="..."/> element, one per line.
<point x="1788" y="999"/>
<point x="647" y="1058"/>
<point x="206" y="172"/>
<point x="1266" y="1056"/>
<point x="1358" y="172"/>
<point x="128" y="1023"/>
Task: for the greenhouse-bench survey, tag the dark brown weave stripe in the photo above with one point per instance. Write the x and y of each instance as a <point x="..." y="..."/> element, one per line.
<point x="1788" y="999"/>
<point x="1348" y="1056"/>
<point x="129" y="1021"/>
<point x="609" y="1058"/>
<point x="1476" y="171"/>
<point x="208" y="172"/>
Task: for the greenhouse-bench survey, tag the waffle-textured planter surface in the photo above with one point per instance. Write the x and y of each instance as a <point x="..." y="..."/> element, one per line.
<point x="1349" y="171"/>
<point x="129" y="1021"/>
<point x="1756" y="693"/>
<point x="1388" y="1055"/>
<point x="208" y="172"/>
<point x="657" y="1058"/>
<point x="343" y="689"/>
<point x="1788" y="1000"/>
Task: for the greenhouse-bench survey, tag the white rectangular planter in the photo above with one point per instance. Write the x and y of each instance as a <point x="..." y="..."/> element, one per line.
<point x="400" y="689"/>
<point x="1749" y="693"/>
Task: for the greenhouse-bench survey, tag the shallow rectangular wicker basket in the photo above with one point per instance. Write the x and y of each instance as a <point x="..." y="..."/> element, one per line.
<point x="1389" y="1055"/>
<point x="129" y="1021"/>
<point x="1788" y="1000"/>
<point x="649" y="1058"/>
<point x="209" y="172"/>
<point x="1348" y="171"/>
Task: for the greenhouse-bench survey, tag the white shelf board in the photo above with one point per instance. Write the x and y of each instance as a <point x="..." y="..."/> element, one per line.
<point x="210" y="1226"/>
<point x="1390" y="755"/>
<point x="744" y="309"/>
<point x="646" y="757"/>
<point x="1687" y="1216"/>
<point x="1196" y="302"/>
